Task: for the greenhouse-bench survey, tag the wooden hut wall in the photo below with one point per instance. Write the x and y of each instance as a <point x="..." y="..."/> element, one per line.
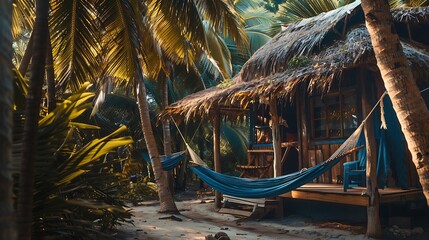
<point x="316" y="150"/>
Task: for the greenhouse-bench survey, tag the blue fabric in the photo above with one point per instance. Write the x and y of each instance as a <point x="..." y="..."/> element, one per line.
<point x="261" y="188"/>
<point x="168" y="161"/>
<point x="383" y="164"/>
<point x="395" y="141"/>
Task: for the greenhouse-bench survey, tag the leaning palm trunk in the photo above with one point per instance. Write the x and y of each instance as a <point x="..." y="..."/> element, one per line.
<point x="7" y="230"/>
<point x="25" y="61"/>
<point x="32" y="108"/>
<point x="407" y="102"/>
<point x="166" y="201"/>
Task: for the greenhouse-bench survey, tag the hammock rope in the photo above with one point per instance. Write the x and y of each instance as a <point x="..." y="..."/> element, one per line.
<point x="269" y="187"/>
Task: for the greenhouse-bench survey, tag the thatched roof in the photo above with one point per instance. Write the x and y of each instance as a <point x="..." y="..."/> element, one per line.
<point x="411" y="15"/>
<point x="313" y="51"/>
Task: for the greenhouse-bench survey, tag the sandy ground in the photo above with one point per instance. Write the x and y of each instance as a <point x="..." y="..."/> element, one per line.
<point x="199" y="218"/>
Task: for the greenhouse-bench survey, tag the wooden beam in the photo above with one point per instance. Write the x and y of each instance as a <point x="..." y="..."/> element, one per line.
<point x="302" y="125"/>
<point x="216" y="151"/>
<point x="277" y="143"/>
<point x="277" y="147"/>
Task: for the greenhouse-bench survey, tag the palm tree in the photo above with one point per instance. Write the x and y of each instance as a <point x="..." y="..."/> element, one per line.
<point x="133" y="37"/>
<point x="7" y="230"/>
<point x="33" y="99"/>
<point x="125" y="40"/>
<point x="408" y="104"/>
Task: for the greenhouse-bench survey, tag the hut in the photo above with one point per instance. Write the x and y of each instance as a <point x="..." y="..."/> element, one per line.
<point x="306" y="91"/>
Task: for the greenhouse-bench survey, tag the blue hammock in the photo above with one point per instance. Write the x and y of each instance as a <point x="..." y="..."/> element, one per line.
<point x="168" y="161"/>
<point x="269" y="187"/>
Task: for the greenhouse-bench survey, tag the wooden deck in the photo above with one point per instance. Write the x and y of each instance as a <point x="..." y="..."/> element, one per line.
<point x="356" y="196"/>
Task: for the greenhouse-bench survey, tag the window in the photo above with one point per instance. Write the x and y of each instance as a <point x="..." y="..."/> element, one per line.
<point x="334" y="115"/>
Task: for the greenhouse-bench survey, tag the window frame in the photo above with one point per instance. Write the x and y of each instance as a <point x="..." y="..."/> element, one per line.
<point x="341" y="93"/>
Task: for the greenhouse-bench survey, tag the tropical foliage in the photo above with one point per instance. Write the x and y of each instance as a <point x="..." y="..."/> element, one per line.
<point x="294" y="10"/>
<point x="69" y="189"/>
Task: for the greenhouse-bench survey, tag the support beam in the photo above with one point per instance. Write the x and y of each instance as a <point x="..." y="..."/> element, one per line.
<point x="216" y="150"/>
<point x="373" y="209"/>
<point x="277" y="142"/>
<point x="277" y="147"/>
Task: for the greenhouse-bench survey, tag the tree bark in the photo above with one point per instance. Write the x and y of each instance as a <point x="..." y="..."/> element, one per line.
<point x="407" y="102"/>
<point x="373" y="228"/>
<point x="166" y="132"/>
<point x="166" y="201"/>
<point x="7" y="226"/>
<point x="50" y="77"/>
<point x="216" y="151"/>
<point x="32" y="111"/>
<point x="25" y="61"/>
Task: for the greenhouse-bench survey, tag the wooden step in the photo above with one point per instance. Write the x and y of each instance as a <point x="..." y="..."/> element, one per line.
<point x="235" y="212"/>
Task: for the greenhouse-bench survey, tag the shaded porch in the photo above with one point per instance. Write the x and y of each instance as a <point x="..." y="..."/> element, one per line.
<point x="356" y="196"/>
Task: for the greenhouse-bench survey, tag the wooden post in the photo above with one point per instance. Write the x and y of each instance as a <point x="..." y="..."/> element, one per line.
<point x="277" y="148"/>
<point x="275" y="129"/>
<point x="373" y="212"/>
<point x="216" y="151"/>
<point x="303" y="131"/>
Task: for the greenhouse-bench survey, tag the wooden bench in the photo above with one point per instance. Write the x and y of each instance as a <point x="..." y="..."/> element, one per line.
<point x="248" y="207"/>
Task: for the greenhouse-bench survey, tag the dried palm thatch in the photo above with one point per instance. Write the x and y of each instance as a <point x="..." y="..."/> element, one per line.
<point x="411" y="15"/>
<point x="306" y="54"/>
<point x="299" y="39"/>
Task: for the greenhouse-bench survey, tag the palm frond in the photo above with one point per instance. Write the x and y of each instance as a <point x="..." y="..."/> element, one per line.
<point x="408" y="3"/>
<point x="71" y="198"/>
<point x="75" y="42"/>
<point x="170" y="33"/>
<point x="243" y="5"/>
<point x="20" y="90"/>
<point x="223" y="17"/>
<point x="218" y="53"/>
<point x="151" y="51"/>
<point x="183" y="13"/>
<point x="295" y="10"/>
<point x="23" y="15"/>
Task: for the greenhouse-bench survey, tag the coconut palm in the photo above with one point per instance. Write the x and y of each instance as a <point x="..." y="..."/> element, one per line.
<point x="129" y="47"/>
<point x="408" y="104"/>
<point x="7" y="230"/>
<point x="32" y="106"/>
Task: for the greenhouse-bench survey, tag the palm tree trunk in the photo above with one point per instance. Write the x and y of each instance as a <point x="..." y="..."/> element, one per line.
<point x="7" y="227"/>
<point x="25" y="61"/>
<point x="373" y="228"/>
<point x="408" y="104"/>
<point x="166" y="130"/>
<point x="166" y="201"/>
<point x="32" y="109"/>
<point x="50" y="77"/>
